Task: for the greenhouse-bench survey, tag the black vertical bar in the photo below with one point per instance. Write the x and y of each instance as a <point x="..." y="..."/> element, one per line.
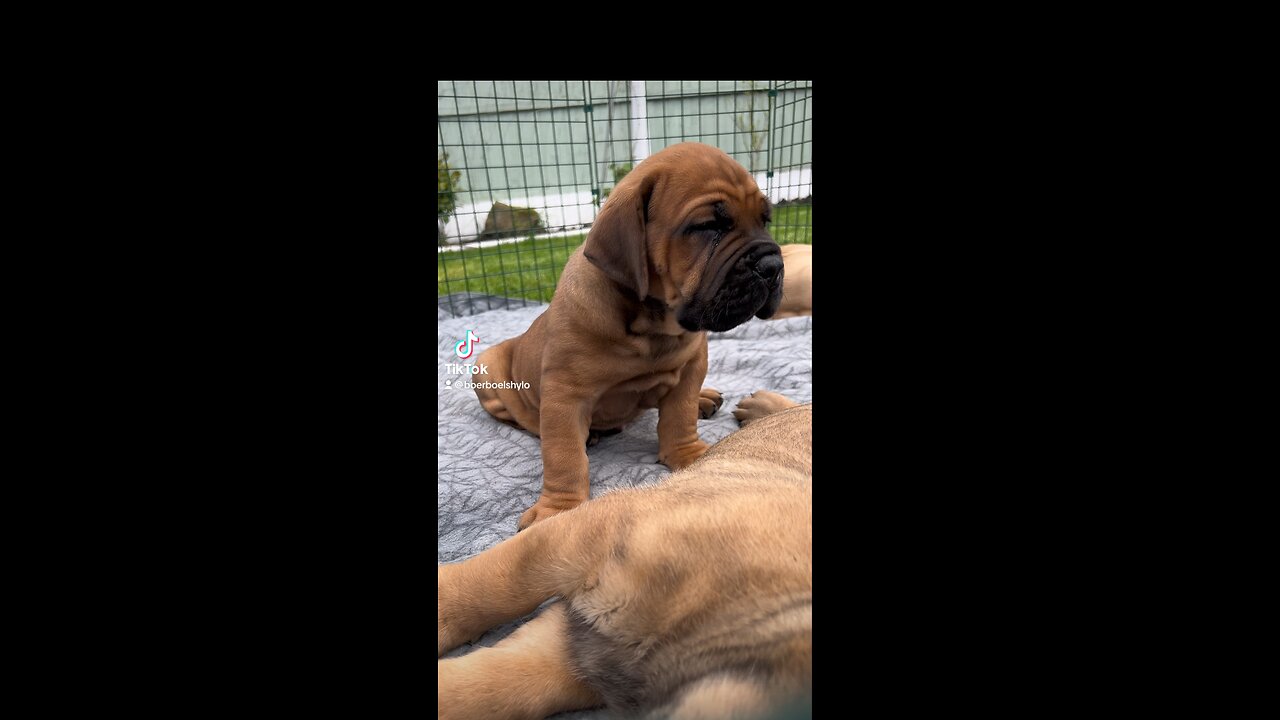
<point x="488" y="174"/>
<point x="497" y="249"/>
<point x="524" y="177"/>
<point x="768" y="152"/>
<point x="542" y="181"/>
<point x="555" y="153"/>
<point x="443" y="266"/>
<point x="588" y="111"/>
<point x="808" y="228"/>
<point x="681" y="87"/>
<point x="462" y="252"/>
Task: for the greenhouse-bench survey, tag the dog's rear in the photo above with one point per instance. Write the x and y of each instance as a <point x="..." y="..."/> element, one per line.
<point x="691" y="598"/>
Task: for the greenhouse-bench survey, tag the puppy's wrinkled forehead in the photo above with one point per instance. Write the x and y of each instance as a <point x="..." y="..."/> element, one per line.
<point x="690" y="175"/>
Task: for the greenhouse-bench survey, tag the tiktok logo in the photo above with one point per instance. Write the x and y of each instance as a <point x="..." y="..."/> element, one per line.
<point x="464" y="347"/>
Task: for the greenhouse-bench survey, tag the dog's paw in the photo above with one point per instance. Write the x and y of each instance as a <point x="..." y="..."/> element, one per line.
<point x="709" y="401"/>
<point x="758" y="404"/>
<point x="683" y="456"/>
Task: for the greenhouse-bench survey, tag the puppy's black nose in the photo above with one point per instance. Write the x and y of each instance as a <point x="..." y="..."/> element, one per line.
<point x="769" y="267"/>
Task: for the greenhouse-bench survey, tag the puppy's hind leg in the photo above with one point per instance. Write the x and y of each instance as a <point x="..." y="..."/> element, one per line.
<point x="527" y="675"/>
<point x="502" y="403"/>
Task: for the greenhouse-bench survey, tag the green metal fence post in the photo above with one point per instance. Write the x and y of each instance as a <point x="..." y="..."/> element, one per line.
<point x="768" y="164"/>
<point x="591" y="143"/>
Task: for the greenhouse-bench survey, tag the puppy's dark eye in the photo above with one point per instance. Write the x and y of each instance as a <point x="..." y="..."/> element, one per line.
<point x="720" y="222"/>
<point x="710" y="225"/>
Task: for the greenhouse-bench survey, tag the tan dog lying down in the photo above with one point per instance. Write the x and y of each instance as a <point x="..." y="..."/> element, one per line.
<point x="797" y="285"/>
<point x="689" y="598"/>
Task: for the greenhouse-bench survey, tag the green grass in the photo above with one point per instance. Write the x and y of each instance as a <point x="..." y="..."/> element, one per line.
<point x="792" y="224"/>
<point x="531" y="268"/>
<point x="528" y="269"/>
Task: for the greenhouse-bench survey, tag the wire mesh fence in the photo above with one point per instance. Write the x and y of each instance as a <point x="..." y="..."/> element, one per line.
<point x="523" y="166"/>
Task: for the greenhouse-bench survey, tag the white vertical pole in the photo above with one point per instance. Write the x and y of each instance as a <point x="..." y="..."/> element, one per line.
<point x="639" y="123"/>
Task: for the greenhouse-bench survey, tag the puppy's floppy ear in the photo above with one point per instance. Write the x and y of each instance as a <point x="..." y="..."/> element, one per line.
<point x="617" y="243"/>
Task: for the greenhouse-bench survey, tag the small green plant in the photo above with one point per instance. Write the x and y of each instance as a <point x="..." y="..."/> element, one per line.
<point x="619" y="172"/>
<point x="448" y="184"/>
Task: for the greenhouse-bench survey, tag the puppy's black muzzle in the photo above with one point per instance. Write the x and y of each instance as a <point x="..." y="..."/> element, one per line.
<point x="748" y="283"/>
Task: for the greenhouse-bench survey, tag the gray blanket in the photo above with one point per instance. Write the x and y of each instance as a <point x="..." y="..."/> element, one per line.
<point x="489" y="473"/>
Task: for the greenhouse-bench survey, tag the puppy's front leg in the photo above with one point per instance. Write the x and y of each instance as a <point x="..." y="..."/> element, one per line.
<point x="678" y="441"/>
<point x="565" y="422"/>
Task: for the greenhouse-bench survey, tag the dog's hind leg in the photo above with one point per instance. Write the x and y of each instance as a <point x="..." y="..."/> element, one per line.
<point x="505" y="404"/>
<point x="527" y="675"/>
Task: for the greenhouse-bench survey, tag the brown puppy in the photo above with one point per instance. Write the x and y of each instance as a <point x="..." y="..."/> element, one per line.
<point x="797" y="288"/>
<point x="689" y="598"/>
<point x="679" y="248"/>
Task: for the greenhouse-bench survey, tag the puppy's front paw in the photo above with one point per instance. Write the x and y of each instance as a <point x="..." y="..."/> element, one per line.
<point x="683" y="456"/>
<point x="544" y="509"/>
<point x="758" y="404"/>
<point x="709" y="401"/>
